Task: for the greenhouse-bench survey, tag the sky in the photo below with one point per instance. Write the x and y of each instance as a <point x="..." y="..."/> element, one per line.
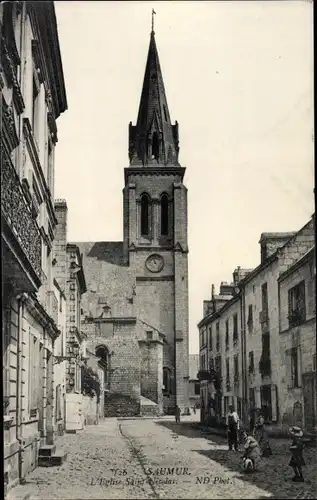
<point x="239" y="81"/>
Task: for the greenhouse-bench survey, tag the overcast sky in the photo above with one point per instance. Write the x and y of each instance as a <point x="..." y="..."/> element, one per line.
<point x="239" y="80"/>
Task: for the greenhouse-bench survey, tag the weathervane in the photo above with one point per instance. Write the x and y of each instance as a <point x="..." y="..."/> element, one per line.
<point x="153" y="13"/>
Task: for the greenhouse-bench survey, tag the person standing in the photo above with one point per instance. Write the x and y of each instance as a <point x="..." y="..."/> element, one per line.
<point x="178" y="414"/>
<point x="261" y="435"/>
<point x="297" y="461"/>
<point x="233" y="428"/>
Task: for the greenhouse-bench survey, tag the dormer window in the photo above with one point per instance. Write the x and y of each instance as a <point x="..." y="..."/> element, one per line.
<point x="165" y="114"/>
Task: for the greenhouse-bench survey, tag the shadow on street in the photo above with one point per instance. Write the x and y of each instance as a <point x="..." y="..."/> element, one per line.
<point x="274" y="474"/>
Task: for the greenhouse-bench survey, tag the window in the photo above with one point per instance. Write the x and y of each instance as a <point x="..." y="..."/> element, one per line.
<point x="72" y="319"/>
<point x="203" y="342"/>
<point x="266" y="401"/>
<point x="50" y="168"/>
<point x="164" y="215"/>
<point x="294" y="367"/>
<point x="166" y="380"/>
<point x="265" y="361"/>
<point x="218" y="365"/>
<point x="252" y="398"/>
<point x="211" y="364"/>
<point x="251" y="362"/>
<point x="149" y="335"/>
<point x="197" y="388"/>
<point x="103" y="355"/>
<point x="227" y="334"/>
<point x="235" y="328"/>
<point x="155" y="147"/>
<point x="227" y="374"/>
<point x="217" y="337"/>
<point x="35" y="106"/>
<point x="145" y="215"/>
<point x="250" y="318"/>
<point x="236" y="368"/>
<point x="203" y="362"/>
<point x="264" y="298"/>
<point x="6" y="354"/>
<point x="296" y="304"/>
<point x="210" y="337"/>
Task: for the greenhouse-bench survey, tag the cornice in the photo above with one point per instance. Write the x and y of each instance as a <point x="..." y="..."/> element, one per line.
<point x="38" y="312"/>
<point x="114" y="320"/>
<point x="154" y="278"/>
<point x="155" y="171"/>
<point x="146" y="248"/>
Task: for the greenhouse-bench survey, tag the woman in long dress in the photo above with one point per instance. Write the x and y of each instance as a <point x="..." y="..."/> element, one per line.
<point x="251" y="450"/>
<point x="261" y="436"/>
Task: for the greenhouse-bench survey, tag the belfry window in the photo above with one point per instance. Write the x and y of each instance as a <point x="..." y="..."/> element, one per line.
<point x="145" y="215"/>
<point x="155" y="146"/>
<point x="164" y="215"/>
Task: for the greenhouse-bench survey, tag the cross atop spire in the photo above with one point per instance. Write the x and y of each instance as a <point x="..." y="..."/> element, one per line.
<point x="153" y="140"/>
<point x="153" y="14"/>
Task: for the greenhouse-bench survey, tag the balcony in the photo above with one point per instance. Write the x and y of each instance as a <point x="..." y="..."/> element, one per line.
<point x="20" y="231"/>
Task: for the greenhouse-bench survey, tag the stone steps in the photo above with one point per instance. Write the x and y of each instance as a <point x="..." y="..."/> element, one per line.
<point x="50" y="457"/>
<point x="55" y="460"/>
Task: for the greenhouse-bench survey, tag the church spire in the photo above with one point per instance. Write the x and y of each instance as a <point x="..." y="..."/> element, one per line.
<point x="153" y="140"/>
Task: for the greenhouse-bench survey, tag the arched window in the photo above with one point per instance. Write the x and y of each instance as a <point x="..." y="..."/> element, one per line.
<point x="155" y="146"/>
<point x="103" y="354"/>
<point x="164" y="215"/>
<point x="145" y="215"/>
<point x="166" y="380"/>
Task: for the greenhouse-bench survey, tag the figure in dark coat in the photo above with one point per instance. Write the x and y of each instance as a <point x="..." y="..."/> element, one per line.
<point x="178" y="414"/>
<point x="297" y="461"/>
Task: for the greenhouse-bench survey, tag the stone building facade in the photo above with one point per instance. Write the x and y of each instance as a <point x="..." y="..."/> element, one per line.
<point x="33" y="97"/>
<point x="68" y="272"/>
<point x="297" y="339"/>
<point x="136" y="305"/>
<point x="193" y="385"/>
<point x="259" y="300"/>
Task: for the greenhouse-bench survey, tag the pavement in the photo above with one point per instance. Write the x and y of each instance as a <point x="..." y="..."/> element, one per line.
<point x="157" y="458"/>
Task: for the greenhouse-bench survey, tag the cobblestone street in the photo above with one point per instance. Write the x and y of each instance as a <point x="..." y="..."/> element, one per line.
<point x="161" y="459"/>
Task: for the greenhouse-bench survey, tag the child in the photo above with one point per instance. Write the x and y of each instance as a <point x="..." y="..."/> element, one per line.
<point x="252" y="450"/>
<point x="261" y="435"/>
<point x="297" y="461"/>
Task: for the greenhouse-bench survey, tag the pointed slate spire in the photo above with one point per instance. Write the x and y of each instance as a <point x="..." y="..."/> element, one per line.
<point x="153" y="140"/>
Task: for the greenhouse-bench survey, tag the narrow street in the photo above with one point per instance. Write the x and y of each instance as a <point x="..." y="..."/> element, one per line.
<point x="161" y="459"/>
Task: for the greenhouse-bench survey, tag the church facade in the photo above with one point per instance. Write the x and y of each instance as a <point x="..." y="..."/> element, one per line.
<point x="136" y="306"/>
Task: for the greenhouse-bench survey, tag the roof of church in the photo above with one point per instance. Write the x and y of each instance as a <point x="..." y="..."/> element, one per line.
<point x="108" y="251"/>
<point x="153" y="118"/>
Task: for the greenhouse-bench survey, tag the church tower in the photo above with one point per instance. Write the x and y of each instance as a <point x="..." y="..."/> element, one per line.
<point x="155" y="230"/>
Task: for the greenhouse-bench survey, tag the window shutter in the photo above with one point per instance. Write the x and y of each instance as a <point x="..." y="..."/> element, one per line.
<point x="274" y="402"/>
<point x="311" y="297"/>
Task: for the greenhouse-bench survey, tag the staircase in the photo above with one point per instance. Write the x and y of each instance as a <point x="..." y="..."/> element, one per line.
<point x="149" y="408"/>
<point x="50" y="457"/>
<point x="121" y="405"/>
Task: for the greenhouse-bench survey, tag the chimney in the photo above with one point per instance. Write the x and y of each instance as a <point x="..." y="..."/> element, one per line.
<point x="60" y="242"/>
<point x="270" y="242"/>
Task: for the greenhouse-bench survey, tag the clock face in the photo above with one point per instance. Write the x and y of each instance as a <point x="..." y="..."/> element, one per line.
<point x="155" y="263"/>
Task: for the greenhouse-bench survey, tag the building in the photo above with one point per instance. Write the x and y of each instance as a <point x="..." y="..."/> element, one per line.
<point x="68" y="272"/>
<point x="255" y="333"/>
<point x="33" y="97"/>
<point x="297" y="338"/>
<point x="136" y="304"/>
<point x="193" y="384"/>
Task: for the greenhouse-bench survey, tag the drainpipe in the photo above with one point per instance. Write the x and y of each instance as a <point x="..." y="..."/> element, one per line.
<point x="21" y="299"/>
<point x="244" y="360"/>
